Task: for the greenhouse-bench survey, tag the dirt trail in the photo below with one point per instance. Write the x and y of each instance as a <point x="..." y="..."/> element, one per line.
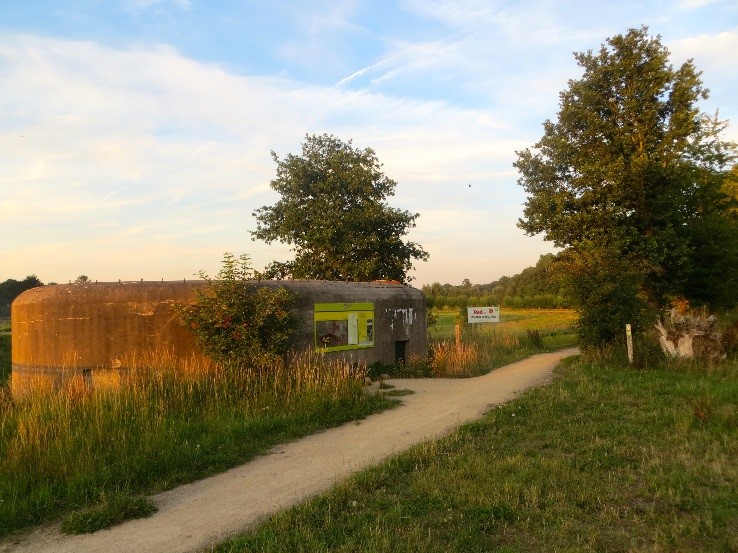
<point x="196" y="516"/>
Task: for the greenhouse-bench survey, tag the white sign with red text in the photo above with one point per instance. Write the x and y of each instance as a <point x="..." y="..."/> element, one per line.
<point x="483" y="314"/>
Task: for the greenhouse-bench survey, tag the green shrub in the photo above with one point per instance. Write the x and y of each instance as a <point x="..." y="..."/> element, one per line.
<point x="607" y="298"/>
<point x="236" y="322"/>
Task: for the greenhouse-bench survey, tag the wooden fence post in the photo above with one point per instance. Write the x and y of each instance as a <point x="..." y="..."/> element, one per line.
<point x="629" y="341"/>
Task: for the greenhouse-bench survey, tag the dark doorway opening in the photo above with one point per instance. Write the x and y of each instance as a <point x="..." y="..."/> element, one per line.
<point x="400" y="352"/>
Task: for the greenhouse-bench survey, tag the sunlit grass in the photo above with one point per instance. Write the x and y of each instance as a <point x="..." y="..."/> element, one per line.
<point x="605" y="458"/>
<point x="512" y="321"/>
<point x="486" y="346"/>
<point x="108" y="512"/>
<point x="67" y="449"/>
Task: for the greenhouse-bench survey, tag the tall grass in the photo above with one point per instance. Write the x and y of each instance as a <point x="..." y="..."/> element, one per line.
<point x="483" y="347"/>
<point x="477" y="353"/>
<point x="70" y="448"/>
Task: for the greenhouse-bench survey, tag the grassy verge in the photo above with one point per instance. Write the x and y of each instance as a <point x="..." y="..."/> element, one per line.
<point x="65" y="450"/>
<point x="603" y="459"/>
<point x="108" y="512"/>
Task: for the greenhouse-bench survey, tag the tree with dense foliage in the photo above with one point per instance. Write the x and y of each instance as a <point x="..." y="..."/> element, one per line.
<point x="236" y="322"/>
<point x="11" y="289"/>
<point x="628" y="181"/>
<point x="333" y="212"/>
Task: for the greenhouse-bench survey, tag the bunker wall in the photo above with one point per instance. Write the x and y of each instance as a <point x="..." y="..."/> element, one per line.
<point x="62" y="331"/>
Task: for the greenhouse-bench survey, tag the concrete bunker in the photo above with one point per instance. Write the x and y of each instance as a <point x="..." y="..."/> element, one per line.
<point x="89" y="331"/>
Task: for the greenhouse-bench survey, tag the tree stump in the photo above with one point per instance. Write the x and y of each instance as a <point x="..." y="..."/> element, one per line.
<point x="690" y="335"/>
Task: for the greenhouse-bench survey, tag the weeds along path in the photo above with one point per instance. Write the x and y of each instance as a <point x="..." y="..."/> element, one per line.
<point x="198" y="515"/>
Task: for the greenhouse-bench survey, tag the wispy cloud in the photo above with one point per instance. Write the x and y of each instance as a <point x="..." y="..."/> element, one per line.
<point x="322" y="36"/>
<point x="694" y="4"/>
<point x="148" y="162"/>
<point x="710" y="51"/>
<point x="145" y="141"/>
<point x="364" y="71"/>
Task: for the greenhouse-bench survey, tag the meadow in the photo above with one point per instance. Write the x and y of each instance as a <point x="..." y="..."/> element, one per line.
<point x="550" y="322"/>
<point x="486" y="346"/>
<point x="70" y="450"/>
<point x="605" y="458"/>
<point x="91" y="457"/>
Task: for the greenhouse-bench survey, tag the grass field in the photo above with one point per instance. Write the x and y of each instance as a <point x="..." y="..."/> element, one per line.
<point x="549" y="323"/>
<point x="605" y="458"/>
<point x="69" y="449"/>
<point x="486" y="346"/>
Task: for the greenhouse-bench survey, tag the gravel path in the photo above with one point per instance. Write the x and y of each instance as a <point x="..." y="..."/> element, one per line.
<point x="196" y="516"/>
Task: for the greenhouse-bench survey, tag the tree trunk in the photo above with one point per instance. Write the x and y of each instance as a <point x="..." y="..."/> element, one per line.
<point x="691" y="335"/>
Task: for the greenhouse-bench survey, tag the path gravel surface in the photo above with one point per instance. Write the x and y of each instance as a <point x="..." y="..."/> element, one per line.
<point x="196" y="516"/>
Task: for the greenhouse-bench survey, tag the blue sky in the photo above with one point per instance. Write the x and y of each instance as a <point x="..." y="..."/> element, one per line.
<point x="135" y="135"/>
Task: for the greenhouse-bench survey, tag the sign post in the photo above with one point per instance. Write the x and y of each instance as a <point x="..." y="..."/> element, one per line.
<point x="629" y="341"/>
<point x="483" y="314"/>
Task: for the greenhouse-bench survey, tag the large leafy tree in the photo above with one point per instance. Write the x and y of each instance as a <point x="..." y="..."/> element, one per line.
<point x="333" y="212"/>
<point x="629" y="182"/>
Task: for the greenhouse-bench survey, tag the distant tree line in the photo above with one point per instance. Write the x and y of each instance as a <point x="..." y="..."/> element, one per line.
<point x="11" y="289"/>
<point x="540" y="286"/>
